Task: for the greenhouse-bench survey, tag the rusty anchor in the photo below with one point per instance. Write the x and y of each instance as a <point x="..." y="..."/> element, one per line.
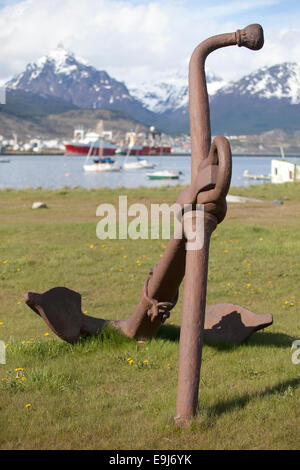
<point x="214" y="200"/>
<point x="60" y="307"/>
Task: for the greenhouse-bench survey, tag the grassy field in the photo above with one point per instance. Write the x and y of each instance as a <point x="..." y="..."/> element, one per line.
<point x="109" y="392"/>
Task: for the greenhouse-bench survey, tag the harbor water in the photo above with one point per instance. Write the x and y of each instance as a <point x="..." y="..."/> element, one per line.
<point x="57" y="171"/>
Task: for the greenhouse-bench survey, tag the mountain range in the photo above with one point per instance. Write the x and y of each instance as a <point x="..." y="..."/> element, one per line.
<point x="61" y="82"/>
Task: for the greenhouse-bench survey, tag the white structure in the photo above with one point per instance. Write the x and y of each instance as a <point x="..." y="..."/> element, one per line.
<point x="283" y="171"/>
<point x="80" y="135"/>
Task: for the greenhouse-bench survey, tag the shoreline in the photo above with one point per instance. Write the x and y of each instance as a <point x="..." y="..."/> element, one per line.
<point x="52" y="153"/>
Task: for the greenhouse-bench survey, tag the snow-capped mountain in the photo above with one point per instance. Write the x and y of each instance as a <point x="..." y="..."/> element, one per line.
<point x="63" y="75"/>
<point x="266" y="99"/>
<point x="169" y="92"/>
<point x="280" y="81"/>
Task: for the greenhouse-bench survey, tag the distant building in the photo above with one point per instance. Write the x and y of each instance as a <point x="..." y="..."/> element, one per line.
<point x="283" y="171"/>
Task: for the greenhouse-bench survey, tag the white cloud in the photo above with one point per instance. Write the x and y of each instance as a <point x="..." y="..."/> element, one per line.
<point x="134" y="39"/>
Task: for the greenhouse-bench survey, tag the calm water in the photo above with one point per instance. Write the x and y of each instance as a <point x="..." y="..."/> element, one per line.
<point x="57" y="171"/>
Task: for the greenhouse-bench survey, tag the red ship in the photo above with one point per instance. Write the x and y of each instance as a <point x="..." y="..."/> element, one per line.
<point x="83" y="149"/>
<point x="92" y="142"/>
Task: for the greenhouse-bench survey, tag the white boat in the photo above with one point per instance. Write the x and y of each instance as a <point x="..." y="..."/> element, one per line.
<point x="102" y="166"/>
<point x="164" y="174"/>
<point x="4" y="160"/>
<point x="100" y="163"/>
<point x="138" y="164"/>
<point x="133" y="147"/>
<point x="249" y="176"/>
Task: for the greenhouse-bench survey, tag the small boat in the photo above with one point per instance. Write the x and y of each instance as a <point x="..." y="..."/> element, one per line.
<point x="138" y="164"/>
<point x="134" y="149"/>
<point x="164" y="174"/>
<point x="101" y="163"/>
<point x="4" y="160"/>
<point x="249" y="176"/>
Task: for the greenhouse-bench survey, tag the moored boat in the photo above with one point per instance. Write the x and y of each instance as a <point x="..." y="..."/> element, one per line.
<point x="156" y="150"/>
<point x="101" y="163"/>
<point x="138" y="164"/>
<point x="82" y="147"/>
<point x="84" y="141"/>
<point x="164" y="174"/>
<point x="250" y="176"/>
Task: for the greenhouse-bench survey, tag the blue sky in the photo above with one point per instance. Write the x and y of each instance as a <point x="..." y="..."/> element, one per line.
<point x="134" y="39"/>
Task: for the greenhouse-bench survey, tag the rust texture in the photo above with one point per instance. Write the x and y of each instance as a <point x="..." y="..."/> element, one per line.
<point x="211" y="164"/>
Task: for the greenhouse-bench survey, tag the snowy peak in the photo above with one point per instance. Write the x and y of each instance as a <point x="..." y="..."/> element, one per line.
<point x="280" y="81"/>
<point x="62" y="60"/>
<point x="214" y="83"/>
<point x="63" y="75"/>
<point x="162" y="92"/>
<point x="170" y="92"/>
<point x="58" y="61"/>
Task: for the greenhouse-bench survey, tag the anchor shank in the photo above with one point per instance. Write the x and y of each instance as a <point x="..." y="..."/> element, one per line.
<point x="192" y="326"/>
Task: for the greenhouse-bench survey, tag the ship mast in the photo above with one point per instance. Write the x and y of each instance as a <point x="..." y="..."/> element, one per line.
<point x="100" y="151"/>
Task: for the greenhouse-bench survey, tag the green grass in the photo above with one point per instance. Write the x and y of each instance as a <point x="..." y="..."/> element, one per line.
<point x="109" y="392"/>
